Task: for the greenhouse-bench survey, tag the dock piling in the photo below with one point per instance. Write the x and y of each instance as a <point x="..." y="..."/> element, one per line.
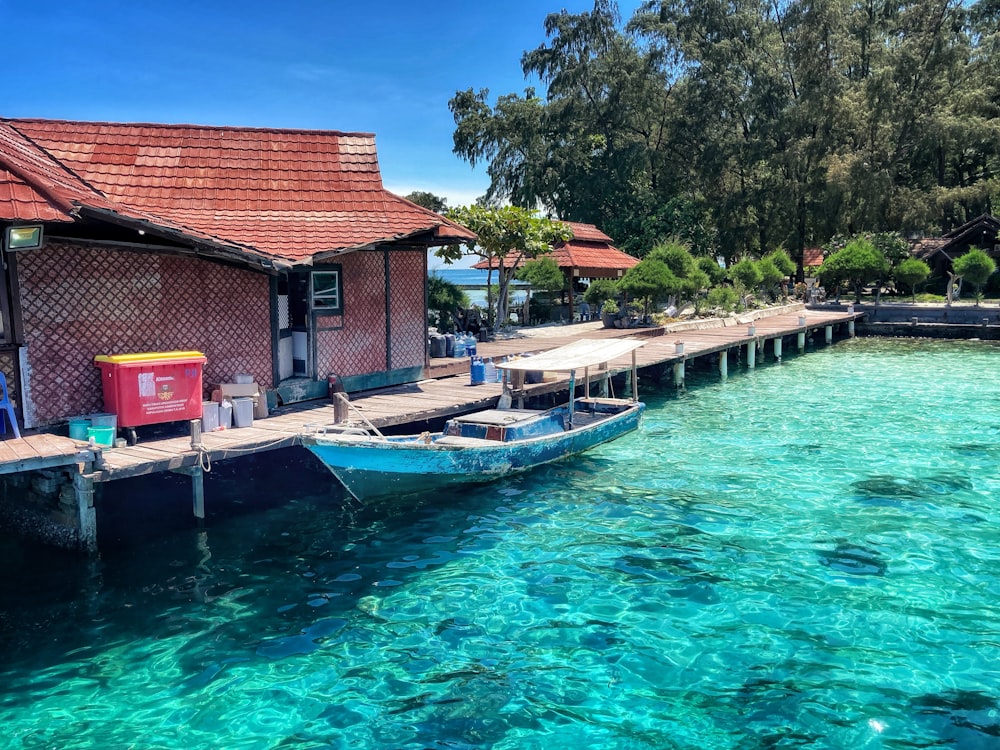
<point x="724" y="364"/>
<point x="777" y="349"/>
<point x="751" y="355"/>
<point x="828" y="330"/>
<point x="83" y="488"/>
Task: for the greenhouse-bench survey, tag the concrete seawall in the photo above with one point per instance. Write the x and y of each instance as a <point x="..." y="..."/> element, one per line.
<point x="927" y="321"/>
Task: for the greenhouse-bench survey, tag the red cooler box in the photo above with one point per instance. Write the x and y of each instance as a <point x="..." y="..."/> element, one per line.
<point x="153" y="387"/>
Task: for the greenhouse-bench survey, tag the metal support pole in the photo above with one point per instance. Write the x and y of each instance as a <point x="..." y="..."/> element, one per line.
<point x="198" y="492"/>
<point x="635" y="379"/>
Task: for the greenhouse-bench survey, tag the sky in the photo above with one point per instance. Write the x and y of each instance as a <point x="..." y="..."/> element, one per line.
<point x="386" y="67"/>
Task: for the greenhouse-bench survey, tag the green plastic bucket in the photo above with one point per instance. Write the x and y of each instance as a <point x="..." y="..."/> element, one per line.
<point x="103" y="436"/>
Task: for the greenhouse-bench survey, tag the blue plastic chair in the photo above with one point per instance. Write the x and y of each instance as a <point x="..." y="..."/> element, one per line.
<point x="8" y="407"/>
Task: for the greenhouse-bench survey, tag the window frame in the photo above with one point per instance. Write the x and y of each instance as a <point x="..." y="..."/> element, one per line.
<point x="329" y="303"/>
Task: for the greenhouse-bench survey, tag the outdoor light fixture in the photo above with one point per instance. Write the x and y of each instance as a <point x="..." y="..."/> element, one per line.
<point x="23" y="237"/>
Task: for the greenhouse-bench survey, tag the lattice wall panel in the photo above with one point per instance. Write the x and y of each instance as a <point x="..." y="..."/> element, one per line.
<point x="359" y="347"/>
<point x="408" y="317"/>
<point x="79" y="302"/>
<point x="8" y="366"/>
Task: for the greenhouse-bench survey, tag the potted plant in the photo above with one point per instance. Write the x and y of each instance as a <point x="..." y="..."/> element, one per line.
<point x="609" y="312"/>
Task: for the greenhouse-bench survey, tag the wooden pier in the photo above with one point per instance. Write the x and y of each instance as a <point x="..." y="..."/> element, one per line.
<point x="447" y="394"/>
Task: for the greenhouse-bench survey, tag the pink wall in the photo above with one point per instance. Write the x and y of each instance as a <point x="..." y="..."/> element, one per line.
<point x="78" y="302"/>
<point x="355" y="343"/>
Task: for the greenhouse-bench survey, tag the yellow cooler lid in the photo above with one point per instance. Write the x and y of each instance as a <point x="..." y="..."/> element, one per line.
<point x="131" y="359"/>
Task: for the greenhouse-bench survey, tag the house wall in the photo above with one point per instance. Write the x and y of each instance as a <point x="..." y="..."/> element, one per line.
<point x="354" y="344"/>
<point x="78" y="302"/>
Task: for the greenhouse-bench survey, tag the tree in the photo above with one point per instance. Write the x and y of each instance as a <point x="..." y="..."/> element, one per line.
<point x="428" y="200"/>
<point x="650" y="280"/>
<point x="599" y="291"/>
<point x="543" y="274"/>
<point x="975" y="267"/>
<point x="858" y="263"/>
<point x="911" y="272"/>
<point x="443" y="298"/>
<point x="507" y="237"/>
<point x="746" y="276"/>
<point x="691" y="279"/>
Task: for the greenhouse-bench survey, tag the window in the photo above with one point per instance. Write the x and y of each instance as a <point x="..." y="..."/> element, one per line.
<point x="325" y="289"/>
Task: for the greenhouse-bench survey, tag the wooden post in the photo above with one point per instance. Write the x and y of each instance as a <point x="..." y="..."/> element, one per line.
<point x="679" y="374"/>
<point x="829" y="334"/>
<point x="802" y="341"/>
<point x="777" y="348"/>
<point x="195" y="426"/>
<point x="724" y="364"/>
<point x="751" y="355"/>
<point x="850" y="328"/>
<point x="83" y="488"/>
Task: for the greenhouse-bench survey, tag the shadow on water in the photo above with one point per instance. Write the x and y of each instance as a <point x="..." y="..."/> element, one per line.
<point x="961" y="718"/>
<point x="853" y="559"/>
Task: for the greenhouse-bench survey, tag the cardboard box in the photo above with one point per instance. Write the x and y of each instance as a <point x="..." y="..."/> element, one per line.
<point x="230" y="391"/>
<point x="235" y="390"/>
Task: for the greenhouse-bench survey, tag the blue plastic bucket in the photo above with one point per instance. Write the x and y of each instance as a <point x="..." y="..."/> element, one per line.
<point x="78" y="428"/>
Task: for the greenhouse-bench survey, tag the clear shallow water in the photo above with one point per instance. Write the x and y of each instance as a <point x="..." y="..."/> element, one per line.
<point x="804" y="556"/>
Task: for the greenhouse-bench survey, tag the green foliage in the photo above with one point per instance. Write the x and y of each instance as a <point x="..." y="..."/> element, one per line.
<point x="859" y="262"/>
<point x="442" y="299"/>
<point x="976" y="267"/>
<point x="779" y="258"/>
<point x="428" y="200"/>
<point x="911" y="272"/>
<point x="507" y="237"/>
<point x="710" y="267"/>
<point x="543" y="274"/>
<point x="770" y="275"/>
<point x="601" y="290"/>
<point x="746" y="273"/>
<point x="723" y="298"/>
<point x="610" y="307"/>
<point x="690" y="278"/>
<point x="650" y="281"/>
<point x="739" y="125"/>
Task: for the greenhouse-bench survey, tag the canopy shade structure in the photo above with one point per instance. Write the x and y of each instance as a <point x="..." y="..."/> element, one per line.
<point x="576" y="356"/>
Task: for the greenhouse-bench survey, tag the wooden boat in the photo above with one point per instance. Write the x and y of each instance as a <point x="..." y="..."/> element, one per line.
<point x="485" y="445"/>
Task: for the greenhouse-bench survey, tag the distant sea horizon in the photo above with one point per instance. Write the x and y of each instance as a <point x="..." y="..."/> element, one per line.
<point x="473" y="281"/>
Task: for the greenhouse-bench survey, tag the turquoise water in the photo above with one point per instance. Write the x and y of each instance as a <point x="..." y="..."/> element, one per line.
<point x="804" y="556"/>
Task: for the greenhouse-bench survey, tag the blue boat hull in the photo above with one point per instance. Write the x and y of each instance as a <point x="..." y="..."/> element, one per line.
<point x="370" y="467"/>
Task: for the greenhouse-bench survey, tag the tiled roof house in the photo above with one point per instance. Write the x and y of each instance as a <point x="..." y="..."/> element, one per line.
<point x="278" y="253"/>
<point x="588" y="254"/>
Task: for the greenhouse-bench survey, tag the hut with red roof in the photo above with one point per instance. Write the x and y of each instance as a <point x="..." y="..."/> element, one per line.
<point x="272" y="251"/>
<point x="588" y="254"/>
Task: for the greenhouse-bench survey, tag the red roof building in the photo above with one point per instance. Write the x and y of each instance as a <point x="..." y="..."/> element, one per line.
<point x="273" y="251"/>
<point x="588" y="254"/>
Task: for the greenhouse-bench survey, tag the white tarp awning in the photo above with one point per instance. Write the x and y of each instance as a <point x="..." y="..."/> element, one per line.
<point x="575" y="356"/>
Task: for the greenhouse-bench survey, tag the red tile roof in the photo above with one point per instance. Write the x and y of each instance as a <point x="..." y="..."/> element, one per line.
<point x="288" y="194"/>
<point x="812" y="257"/>
<point x="590" y="251"/>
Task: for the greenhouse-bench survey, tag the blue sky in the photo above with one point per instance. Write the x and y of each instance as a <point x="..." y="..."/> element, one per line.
<point x="385" y="67"/>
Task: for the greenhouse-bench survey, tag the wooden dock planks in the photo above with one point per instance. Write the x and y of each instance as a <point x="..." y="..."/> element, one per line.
<point x="404" y="404"/>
